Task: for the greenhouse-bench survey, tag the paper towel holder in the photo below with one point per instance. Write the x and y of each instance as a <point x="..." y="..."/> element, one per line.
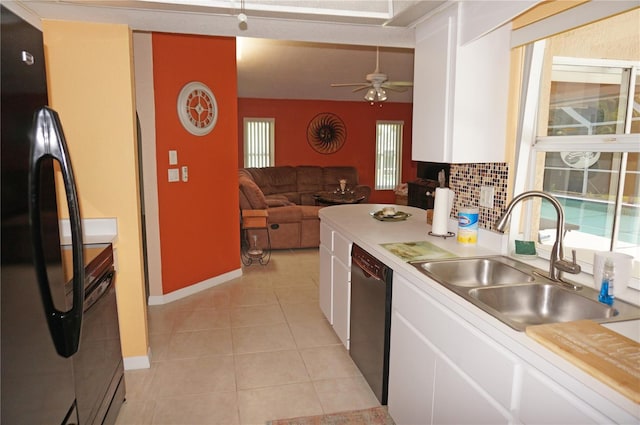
<point x="445" y="236"/>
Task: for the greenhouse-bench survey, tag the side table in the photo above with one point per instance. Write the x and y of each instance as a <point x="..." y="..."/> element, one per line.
<point x="337" y="198"/>
<point x="255" y="242"/>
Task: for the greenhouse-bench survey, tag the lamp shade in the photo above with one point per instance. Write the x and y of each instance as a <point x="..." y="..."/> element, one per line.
<point x="370" y="95"/>
<point x="382" y="95"/>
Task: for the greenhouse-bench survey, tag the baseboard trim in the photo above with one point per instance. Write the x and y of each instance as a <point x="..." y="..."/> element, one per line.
<point x="194" y="289"/>
<point x="138" y="362"/>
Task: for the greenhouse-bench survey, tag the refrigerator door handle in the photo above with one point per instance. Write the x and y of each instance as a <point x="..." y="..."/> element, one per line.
<point x="48" y="142"/>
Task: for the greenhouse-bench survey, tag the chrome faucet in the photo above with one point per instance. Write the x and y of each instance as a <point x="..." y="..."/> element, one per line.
<point x="557" y="263"/>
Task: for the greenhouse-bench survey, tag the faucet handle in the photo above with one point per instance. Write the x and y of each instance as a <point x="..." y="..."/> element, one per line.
<point x="569" y="267"/>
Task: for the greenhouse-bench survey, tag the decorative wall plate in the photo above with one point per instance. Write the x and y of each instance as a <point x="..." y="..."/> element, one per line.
<point x="197" y="108"/>
<point x="326" y="133"/>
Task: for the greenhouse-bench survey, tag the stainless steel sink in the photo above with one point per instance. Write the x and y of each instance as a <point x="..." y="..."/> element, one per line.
<point x="476" y="271"/>
<point x="536" y="304"/>
<point x="520" y="295"/>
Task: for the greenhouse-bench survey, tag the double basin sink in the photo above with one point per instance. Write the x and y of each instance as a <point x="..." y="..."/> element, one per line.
<point x="520" y="295"/>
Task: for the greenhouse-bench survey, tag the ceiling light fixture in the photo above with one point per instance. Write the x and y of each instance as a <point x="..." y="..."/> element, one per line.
<point x="382" y="94"/>
<point x="375" y="94"/>
<point x="242" y="17"/>
<point x="371" y="95"/>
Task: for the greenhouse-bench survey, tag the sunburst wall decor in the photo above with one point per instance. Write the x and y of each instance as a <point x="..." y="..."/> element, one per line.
<point x="326" y="133"/>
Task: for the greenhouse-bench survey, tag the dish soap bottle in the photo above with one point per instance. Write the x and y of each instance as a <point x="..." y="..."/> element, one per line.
<point x="606" y="288"/>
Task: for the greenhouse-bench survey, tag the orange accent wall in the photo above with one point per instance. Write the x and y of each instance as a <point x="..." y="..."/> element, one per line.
<point x="199" y="219"/>
<point x="291" y="147"/>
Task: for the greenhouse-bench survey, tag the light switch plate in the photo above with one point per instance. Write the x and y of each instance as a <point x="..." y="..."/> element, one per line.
<point x="486" y="196"/>
<point x="173" y="157"/>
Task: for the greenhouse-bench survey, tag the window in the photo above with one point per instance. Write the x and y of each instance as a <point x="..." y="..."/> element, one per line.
<point x="388" y="154"/>
<point x="592" y="171"/>
<point x="259" y="142"/>
<point x="586" y="153"/>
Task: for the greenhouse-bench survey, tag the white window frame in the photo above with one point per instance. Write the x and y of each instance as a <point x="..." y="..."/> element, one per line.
<point x="530" y="144"/>
<point x="388" y="142"/>
<point x="259" y="142"/>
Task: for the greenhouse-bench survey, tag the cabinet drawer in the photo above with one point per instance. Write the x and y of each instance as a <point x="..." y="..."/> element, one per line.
<point x="342" y="249"/>
<point x="488" y="364"/>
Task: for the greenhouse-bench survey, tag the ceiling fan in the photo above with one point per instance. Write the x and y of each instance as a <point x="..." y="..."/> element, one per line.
<point x="377" y="84"/>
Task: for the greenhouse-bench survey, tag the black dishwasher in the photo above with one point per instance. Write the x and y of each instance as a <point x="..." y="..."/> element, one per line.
<point x="370" y="323"/>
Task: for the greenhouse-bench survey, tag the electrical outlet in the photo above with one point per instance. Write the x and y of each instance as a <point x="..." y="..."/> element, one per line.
<point x="174" y="175"/>
<point x="185" y="173"/>
<point x="486" y="196"/>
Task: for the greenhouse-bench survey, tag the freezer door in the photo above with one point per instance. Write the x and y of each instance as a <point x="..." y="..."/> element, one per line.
<point x="37" y="384"/>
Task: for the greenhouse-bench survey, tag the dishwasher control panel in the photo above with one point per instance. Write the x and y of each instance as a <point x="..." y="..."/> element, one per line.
<point x="367" y="262"/>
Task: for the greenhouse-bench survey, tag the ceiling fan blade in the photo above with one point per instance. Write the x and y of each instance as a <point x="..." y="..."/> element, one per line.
<point x="394" y="88"/>
<point x="400" y="83"/>
<point x="350" y="84"/>
<point x="361" y="88"/>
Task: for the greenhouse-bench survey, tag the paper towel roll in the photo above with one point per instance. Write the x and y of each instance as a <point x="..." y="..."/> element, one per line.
<point x="441" y="209"/>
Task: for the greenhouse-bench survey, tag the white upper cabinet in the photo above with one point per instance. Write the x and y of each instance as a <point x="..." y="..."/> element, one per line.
<point x="460" y="91"/>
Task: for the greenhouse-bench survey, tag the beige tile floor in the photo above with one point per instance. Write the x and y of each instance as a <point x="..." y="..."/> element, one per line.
<point x="247" y="351"/>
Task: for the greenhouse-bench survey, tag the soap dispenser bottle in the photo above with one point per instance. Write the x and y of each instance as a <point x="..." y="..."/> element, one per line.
<point x="606" y="288"/>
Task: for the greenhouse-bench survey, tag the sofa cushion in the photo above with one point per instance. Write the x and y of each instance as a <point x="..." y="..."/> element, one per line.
<point x="309" y="178"/>
<point x="253" y="194"/>
<point x="272" y="180"/>
<point x="277" y="201"/>
<point x="289" y="214"/>
<point x="331" y="177"/>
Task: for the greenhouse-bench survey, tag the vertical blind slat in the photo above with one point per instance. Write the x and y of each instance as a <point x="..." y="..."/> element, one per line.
<point x="258" y="143"/>
<point x="388" y="154"/>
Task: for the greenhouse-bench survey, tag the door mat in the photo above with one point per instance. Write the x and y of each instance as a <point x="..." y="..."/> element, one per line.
<point x="372" y="416"/>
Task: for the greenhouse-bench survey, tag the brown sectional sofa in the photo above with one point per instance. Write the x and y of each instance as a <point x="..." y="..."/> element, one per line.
<point x="287" y="194"/>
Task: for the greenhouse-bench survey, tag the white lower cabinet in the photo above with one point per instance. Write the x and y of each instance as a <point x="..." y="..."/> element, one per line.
<point x="411" y="374"/>
<point x="438" y="368"/>
<point x="335" y="281"/>
<point x="326" y="283"/>
<point x="445" y="371"/>
<point x="545" y="402"/>
<point x="341" y="300"/>
<point x="458" y="400"/>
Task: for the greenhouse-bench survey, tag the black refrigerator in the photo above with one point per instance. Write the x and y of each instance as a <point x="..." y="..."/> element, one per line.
<point x="41" y="310"/>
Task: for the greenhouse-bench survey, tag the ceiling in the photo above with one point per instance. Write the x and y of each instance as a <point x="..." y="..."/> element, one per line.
<point x="305" y="70"/>
<point x="290" y="49"/>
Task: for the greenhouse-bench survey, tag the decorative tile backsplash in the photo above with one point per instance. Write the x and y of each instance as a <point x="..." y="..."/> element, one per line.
<point x="466" y="179"/>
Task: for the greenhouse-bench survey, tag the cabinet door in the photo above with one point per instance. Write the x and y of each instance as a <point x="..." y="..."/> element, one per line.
<point x="545" y="402"/>
<point x="458" y="400"/>
<point x="480" y="119"/>
<point x="434" y="69"/>
<point x="341" y="300"/>
<point x="411" y="374"/>
<point x="326" y="283"/>
<point x="477" y="356"/>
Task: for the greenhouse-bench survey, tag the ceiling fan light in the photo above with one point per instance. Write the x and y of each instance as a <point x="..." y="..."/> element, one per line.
<point x="371" y="95"/>
<point x="382" y="95"/>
